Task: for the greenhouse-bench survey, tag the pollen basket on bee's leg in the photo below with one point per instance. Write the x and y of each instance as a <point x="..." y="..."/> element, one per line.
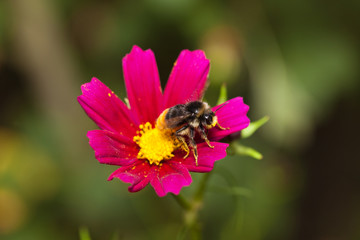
<point x="156" y="144"/>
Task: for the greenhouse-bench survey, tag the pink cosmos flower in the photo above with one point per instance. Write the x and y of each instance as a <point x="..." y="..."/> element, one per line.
<point x="127" y="137"/>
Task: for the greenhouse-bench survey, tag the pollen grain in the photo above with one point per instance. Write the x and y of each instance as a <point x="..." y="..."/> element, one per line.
<point x="155" y="144"/>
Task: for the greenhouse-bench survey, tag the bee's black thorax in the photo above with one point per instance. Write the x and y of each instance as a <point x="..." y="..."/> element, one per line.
<point x="176" y="111"/>
<point x="196" y="108"/>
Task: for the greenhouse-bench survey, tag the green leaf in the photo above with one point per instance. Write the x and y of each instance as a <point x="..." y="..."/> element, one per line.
<point x="240" y="191"/>
<point x="253" y="127"/>
<point x="247" y="151"/>
<point x="84" y="233"/>
<point x="223" y="94"/>
<point x="233" y="188"/>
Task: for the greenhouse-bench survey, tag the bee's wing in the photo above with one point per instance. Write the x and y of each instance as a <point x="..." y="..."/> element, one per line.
<point x="176" y="116"/>
<point x="177" y="121"/>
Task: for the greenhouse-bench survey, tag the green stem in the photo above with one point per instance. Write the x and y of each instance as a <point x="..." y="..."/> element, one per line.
<point x="191" y="210"/>
<point x="183" y="202"/>
<point x="199" y="195"/>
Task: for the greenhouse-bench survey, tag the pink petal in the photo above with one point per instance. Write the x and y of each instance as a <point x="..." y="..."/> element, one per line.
<point x="106" y="109"/>
<point x="232" y="115"/>
<point x="112" y="148"/>
<point x="138" y="175"/>
<point x="206" y="157"/>
<point x="142" y="84"/>
<point x="187" y="79"/>
<point x="170" y="177"/>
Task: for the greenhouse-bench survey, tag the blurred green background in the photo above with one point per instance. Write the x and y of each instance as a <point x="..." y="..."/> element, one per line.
<point x="295" y="61"/>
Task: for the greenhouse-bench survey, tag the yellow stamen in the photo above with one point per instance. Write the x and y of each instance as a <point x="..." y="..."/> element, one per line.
<point x="156" y="144"/>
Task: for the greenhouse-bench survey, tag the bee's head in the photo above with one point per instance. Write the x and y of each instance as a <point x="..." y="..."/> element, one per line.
<point x="209" y="119"/>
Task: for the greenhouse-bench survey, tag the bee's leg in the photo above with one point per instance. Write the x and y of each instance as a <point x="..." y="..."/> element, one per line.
<point x="182" y="139"/>
<point x="204" y="136"/>
<point x="193" y="144"/>
<point x="185" y="146"/>
<point x="222" y="128"/>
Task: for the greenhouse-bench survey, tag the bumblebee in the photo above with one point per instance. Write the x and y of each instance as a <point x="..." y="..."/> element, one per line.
<point x="185" y="120"/>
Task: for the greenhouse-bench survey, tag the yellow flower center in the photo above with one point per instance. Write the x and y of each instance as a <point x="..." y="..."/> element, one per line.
<point x="156" y="144"/>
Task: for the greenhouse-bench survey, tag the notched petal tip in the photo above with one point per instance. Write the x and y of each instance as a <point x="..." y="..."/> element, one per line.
<point x="142" y="84"/>
<point x="197" y="54"/>
<point x="189" y="74"/>
<point x="171" y="177"/>
<point x="94" y="83"/>
<point x="106" y="109"/>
